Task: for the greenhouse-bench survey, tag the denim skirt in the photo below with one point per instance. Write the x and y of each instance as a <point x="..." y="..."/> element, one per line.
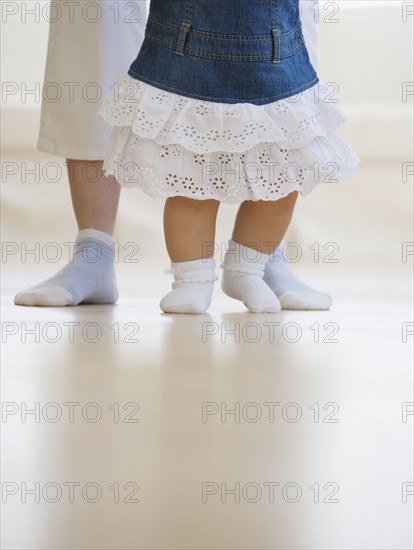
<point x="222" y="102"/>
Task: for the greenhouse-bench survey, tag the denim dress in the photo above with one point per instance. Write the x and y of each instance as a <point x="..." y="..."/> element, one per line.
<point x="222" y="102"/>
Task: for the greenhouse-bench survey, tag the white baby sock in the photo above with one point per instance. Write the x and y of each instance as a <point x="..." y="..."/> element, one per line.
<point x="192" y="287"/>
<point x="89" y="278"/>
<point x="292" y="293"/>
<point x="243" y="270"/>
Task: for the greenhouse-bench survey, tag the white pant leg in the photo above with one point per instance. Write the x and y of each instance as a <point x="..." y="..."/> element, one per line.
<point x="85" y="59"/>
<point x="310" y="29"/>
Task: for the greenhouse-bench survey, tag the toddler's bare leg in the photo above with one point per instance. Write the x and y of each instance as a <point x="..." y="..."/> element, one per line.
<point x="275" y="217"/>
<point x="260" y="227"/>
<point x="190" y="227"/>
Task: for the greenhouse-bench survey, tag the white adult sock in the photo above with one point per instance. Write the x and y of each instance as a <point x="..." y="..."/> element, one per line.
<point x="192" y="287"/>
<point x="291" y="291"/>
<point x="88" y="279"/>
<point x="243" y="270"/>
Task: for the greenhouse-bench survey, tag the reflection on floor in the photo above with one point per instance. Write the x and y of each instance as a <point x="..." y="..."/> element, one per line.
<point x="127" y="428"/>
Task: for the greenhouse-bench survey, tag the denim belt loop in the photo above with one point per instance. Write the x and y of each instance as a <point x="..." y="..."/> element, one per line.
<point x="276" y="33"/>
<point x="185" y="28"/>
<point x="276" y="45"/>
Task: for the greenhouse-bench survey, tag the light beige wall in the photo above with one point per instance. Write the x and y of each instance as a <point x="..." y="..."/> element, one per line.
<point x="368" y="52"/>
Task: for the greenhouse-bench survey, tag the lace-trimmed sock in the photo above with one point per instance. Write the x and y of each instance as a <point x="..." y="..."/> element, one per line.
<point x="291" y="291"/>
<point x="192" y="287"/>
<point x="88" y="279"/>
<point x="243" y="270"/>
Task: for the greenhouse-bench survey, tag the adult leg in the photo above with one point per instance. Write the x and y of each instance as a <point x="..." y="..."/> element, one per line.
<point x="90" y="276"/>
<point x="95" y="197"/>
<point x="94" y="56"/>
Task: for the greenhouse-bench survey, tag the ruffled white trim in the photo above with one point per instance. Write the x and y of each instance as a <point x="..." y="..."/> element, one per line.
<point x="207" y="127"/>
<point x="264" y="172"/>
<point x="170" y="145"/>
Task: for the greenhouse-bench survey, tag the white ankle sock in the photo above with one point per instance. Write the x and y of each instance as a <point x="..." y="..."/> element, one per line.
<point x="192" y="287"/>
<point x="243" y="269"/>
<point x="292" y="292"/>
<point x="88" y="278"/>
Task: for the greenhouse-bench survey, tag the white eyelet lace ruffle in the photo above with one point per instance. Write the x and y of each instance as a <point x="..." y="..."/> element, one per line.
<point x="170" y="145"/>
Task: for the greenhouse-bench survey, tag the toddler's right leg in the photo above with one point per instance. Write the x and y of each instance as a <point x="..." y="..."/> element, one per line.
<point x="190" y="227"/>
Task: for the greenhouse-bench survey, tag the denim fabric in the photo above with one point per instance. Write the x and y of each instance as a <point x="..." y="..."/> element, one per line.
<point x="227" y="51"/>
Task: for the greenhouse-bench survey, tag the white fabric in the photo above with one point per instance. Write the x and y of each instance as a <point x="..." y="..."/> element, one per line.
<point x="84" y="61"/>
<point x="207" y="127"/>
<point x="83" y="52"/>
<point x="169" y="145"/>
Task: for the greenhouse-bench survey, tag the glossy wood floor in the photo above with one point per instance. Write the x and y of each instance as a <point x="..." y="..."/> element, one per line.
<point x="224" y="431"/>
<point x="124" y="428"/>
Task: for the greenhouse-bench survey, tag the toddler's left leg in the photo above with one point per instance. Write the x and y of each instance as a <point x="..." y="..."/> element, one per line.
<point x="259" y="229"/>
